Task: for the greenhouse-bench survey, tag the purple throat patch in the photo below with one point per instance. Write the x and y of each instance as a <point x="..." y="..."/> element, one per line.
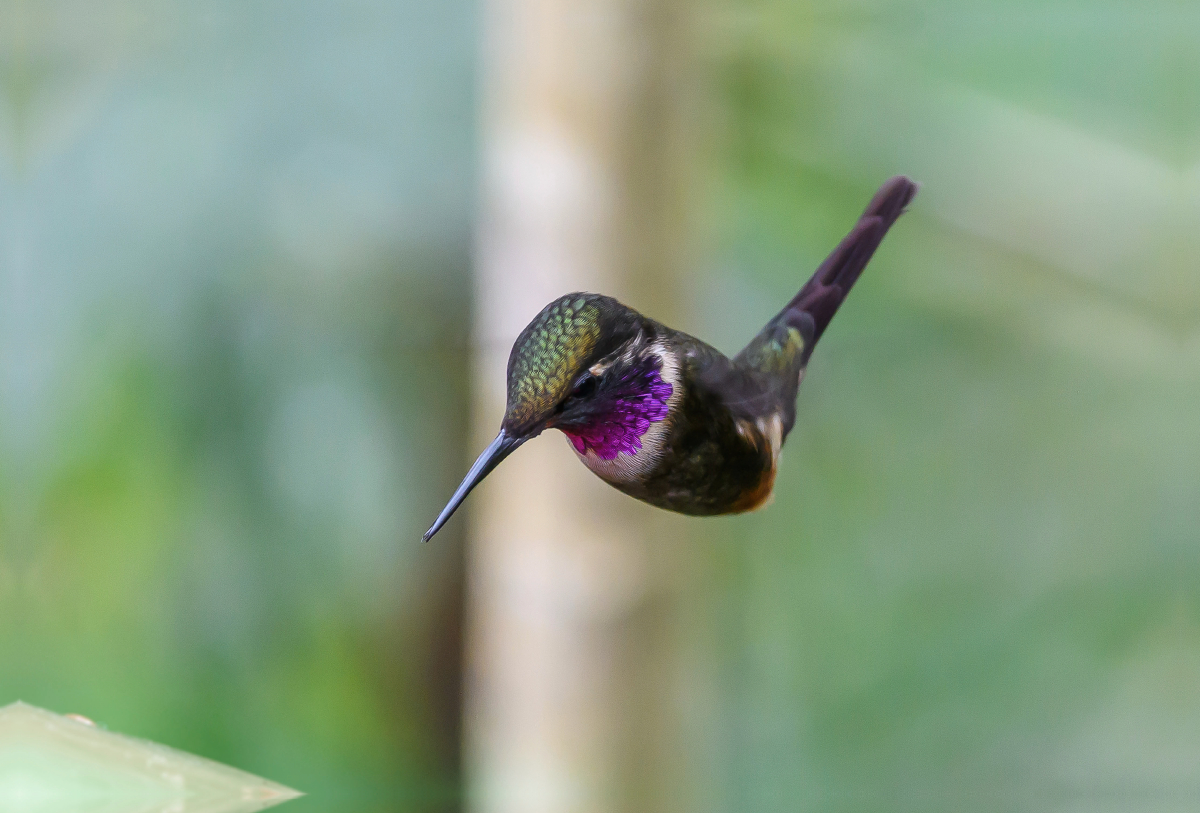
<point x="638" y="400"/>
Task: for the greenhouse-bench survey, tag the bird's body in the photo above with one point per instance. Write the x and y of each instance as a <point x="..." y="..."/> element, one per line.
<point x="715" y="450"/>
<point x="661" y="415"/>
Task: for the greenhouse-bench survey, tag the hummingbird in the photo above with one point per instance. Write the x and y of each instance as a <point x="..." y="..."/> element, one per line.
<point x="661" y="415"/>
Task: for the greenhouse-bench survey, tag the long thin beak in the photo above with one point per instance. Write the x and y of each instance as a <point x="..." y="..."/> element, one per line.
<point x="499" y="449"/>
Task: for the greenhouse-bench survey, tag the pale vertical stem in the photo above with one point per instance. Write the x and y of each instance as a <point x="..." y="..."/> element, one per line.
<point x="558" y="565"/>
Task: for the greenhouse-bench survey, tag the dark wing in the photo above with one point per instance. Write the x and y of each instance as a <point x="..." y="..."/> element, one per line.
<point x="747" y="393"/>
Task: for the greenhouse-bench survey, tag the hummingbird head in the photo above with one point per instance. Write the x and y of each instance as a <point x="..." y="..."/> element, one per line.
<point x="586" y="366"/>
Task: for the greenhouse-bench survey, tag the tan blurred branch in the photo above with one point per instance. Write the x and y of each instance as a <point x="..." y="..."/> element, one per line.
<point x="582" y="191"/>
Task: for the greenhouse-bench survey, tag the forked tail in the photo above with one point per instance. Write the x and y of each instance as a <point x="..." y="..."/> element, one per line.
<point x="824" y="293"/>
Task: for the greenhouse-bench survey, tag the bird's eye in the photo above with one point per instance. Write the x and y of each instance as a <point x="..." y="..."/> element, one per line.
<point x="585" y="387"/>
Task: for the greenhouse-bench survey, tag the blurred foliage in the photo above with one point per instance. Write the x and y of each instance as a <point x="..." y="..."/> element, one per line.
<point x="234" y="276"/>
<point x="978" y="587"/>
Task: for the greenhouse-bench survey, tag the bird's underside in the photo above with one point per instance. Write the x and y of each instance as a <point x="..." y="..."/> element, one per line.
<point x="723" y="436"/>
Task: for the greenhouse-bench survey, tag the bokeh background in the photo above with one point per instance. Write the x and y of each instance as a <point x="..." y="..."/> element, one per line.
<point x="240" y="342"/>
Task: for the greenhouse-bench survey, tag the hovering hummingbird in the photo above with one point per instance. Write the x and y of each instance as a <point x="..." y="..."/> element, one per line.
<point x="659" y="414"/>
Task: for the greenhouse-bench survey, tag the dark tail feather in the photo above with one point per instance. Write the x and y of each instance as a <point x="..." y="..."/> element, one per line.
<point x="825" y="291"/>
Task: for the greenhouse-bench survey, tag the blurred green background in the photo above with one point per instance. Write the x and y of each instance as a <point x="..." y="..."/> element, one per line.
<point x="235" y="299"/>
<point x="235" y="253"/>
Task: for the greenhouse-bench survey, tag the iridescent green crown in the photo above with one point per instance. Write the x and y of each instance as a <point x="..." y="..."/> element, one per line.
<point x="550" y="352"/>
